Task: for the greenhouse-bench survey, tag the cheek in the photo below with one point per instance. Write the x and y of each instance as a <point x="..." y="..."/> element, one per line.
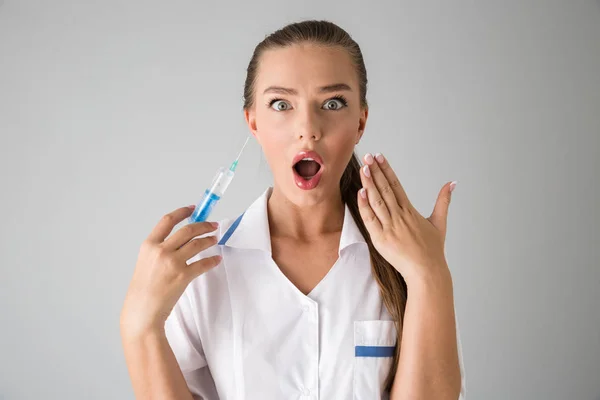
<point x="273" y="139"/>
<point x="272" y="126"/>
<point x="344" y="153"/>
<point x="273" y="142"/>
<point x="342" y="141"/>
<point x="343" y="132"/>
<point x="344" y="123"/>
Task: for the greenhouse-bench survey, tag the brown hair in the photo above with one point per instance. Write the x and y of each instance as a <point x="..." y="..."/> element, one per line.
<point x="391" y="284"/>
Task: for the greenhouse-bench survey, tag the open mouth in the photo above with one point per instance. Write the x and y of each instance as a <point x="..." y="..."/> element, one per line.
<point x="307" y="168"/>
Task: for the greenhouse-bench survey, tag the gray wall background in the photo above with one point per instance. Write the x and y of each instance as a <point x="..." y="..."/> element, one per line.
<point x="113" y="113"/>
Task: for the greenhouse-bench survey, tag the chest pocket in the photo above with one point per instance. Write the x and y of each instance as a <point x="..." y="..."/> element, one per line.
<point x="374" y="344"/>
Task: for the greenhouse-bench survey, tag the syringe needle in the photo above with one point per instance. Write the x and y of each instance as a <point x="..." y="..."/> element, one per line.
<point x="243" y="147"/>
<point x="234" y="164"/>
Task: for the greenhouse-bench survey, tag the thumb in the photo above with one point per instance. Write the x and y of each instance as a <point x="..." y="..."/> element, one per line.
<point x="439" y="217"/>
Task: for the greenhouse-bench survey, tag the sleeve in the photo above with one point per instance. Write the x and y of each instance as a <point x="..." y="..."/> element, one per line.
<point x="182" y="334"/>
<point x="463" y="386"/>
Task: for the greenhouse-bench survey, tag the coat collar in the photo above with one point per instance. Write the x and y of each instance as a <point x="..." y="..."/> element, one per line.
<point x="251" y="229"/>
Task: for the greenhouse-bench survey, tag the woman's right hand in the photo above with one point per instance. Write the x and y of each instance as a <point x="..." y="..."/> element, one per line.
<point x="161" y="273"/>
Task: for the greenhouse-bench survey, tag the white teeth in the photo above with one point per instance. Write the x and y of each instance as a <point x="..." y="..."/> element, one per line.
<point x="307" y="159"/>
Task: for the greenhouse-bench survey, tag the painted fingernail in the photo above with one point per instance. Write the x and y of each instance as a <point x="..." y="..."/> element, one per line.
<point x="369" y="158"/>
<point x="366" y="171"/>
<point x="363" y="193"/>
<point x="379" y="157"/>
<point x="452" y="186"/>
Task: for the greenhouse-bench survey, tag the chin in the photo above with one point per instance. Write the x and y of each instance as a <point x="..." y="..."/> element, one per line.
<point x="308" y="198"/>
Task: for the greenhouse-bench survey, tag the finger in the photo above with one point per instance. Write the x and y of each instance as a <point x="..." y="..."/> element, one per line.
<point x="393" y="180"/>
<point x="188" y="232"/>
<point x="439" y="217"/>
<point x="366" y="213"/>
<point x="199" y="267"/>
<point x="167" y="223"/>
<point x="195" y="246"/>
<point x="383" y="185"/>
<point x="374" y="197"/>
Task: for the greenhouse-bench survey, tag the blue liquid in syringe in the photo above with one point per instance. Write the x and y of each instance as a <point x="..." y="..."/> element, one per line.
<point x="203" y="210"/>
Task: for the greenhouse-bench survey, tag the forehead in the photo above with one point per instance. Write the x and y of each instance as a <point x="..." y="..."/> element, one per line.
<point x="305" y="66"/>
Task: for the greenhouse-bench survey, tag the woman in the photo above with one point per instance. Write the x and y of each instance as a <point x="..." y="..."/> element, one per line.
<point x="321" y="279"/>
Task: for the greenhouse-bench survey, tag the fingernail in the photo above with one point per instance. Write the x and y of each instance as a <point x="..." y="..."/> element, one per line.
<point x="452" y="186"/>
<point x="192" y="207"/>
<point x="214" y="224"/>
<point x="363" y="193"/>
<point x="369" y="158"/>
<point x="366" y="171"/>
<point x="379" y="157"/>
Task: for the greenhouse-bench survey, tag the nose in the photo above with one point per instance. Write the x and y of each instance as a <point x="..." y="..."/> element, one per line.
<point x="307" y="125"/>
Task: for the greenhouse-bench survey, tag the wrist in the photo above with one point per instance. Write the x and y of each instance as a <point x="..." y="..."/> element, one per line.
<point x="135" y="328"/>
<point x="431" y="279"/>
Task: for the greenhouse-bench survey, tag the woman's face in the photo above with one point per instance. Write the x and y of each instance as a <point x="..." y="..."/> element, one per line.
<point x="306" y="98"/>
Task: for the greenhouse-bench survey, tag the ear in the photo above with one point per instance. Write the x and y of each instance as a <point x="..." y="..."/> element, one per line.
<point x="250" y="117"/>
<point x="362" y="122"/>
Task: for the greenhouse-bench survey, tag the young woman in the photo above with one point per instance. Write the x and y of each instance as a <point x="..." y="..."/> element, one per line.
<point x="329" y="286"/>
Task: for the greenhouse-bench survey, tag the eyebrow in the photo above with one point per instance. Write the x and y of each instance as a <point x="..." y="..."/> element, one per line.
<point x="336" y="87"/>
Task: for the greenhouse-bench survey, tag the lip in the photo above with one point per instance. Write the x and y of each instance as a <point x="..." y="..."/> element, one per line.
<point x="314" y="181"/>
<point x="308" y="154"/>
<point x="307" y="184"/>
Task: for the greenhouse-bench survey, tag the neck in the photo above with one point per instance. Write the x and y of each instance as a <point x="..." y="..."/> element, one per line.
<point x="305" y="223"/>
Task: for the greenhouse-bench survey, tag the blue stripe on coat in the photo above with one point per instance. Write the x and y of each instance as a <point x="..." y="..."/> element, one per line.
<point x="374" y="351"/>
<point x="231" y="229"/>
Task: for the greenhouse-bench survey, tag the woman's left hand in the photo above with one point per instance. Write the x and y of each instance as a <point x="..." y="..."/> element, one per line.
<point x="411" y="243"/>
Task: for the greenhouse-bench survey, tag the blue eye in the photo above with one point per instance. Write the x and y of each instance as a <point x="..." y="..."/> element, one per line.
<point x="279" y="105"/>
<point x="335" y="103"/>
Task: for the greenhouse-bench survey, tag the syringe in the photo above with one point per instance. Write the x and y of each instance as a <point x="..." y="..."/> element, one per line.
<point x="214" y="193"/>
